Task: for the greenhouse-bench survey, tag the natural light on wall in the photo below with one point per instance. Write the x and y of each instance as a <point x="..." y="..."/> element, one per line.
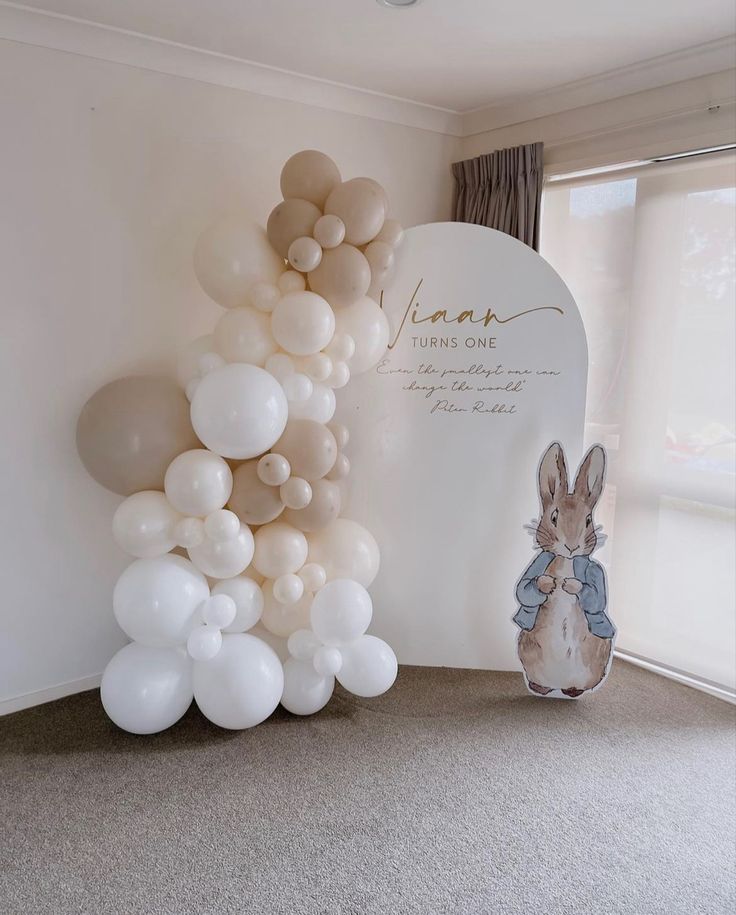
<point x="649" y="254"/>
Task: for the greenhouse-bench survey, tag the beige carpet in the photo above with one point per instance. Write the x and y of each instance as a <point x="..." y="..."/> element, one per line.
<point x="453" y="793"/>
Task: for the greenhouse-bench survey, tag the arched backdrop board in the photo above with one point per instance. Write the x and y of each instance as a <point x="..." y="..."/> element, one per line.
<point x="487" y="365"/>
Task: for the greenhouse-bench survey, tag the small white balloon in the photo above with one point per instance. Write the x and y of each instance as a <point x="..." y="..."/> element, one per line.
<point x="189" y="532"/>
<point x="145" y="690"/>
<point x="291" y="281"/>
<point x="279" y="549"/>
<point x="340" y="469"/>
<point x="222" y="525"/>
<point x="187" y="359"/>
<point x="304" y="254"/>
<point x="282" y="619"/>
<point x="318" y="367"/>
<point x="264" y="297"/>
<point x="329" y="231"/>
<point x="313" y="576"/>
<point x="302" y="644"/>
<point x="320" y="407"/>
<point x="339" y="376"/>
<point x="280" y="366"/>
<point x="341" y="433"/>
<point x="248" y="598"/>
<point x="243" y="335"/>
<point x="369" y="667"/>
<point x="341" y="612"/>
<point x="143" y="525"/>
<point x="305" y="691"/>
<point x="327" y="661"/>
<point x="204" y="642"/>
<point x="302" y="323"/>
<point x="288" y="589"/>
<point x="341" y="347"/>
<point x="198" y="482"/>
<point x="296" y="493"/>
<point x="298" y="387"/>
<point x="208" y="362"/>
<point x="346" y="550"/>
<point x="224" y="558"/>
<point x="273" y="469"/>
<point x="219" y="610"/>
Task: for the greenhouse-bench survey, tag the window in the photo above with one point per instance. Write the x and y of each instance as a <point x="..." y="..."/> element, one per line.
<point x="649" y="254"/>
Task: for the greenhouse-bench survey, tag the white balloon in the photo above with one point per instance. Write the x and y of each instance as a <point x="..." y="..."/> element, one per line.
<point x="305" y="691"/>
<point x="340" y="469"/>
<point x="296" y="493"/>
<point x="155" y="601"/>
<point x="248" y="599"/>
<point x="273" y="641"/>
<point x="280" y="366"/>
<point x="239" y="411"/>
<point x="187" y="359"/>
<point x="224" y="558"/>
<point x="230" y="257"/>
<point x="291" y="281"/>
<point x="318" y="366"/>
<point x="297" y="387"/>
<point x="339" y="376"/>
<point x="303" y="644"/>
<point x="222" y="525"/>
<point x="280" y="549"/>
<point x="346" y="550"/>
<point x="303" y="323"/>
<point x="341" y="347"/>
<point x="242" y="685"/>
<point x="313" y="576"/>
<point x="283" y="619"/>
<point x="341" y="433"/>
<point x="327" y="661"/>
<point x="341" y="612"/>
<point x="288" y="589"/>
<point x="219" y="611"/>
<point x="320" y="406"/>
<point x="189" y="532"/>
<point x="143" y="525"/>
<point x="244" y="335"/>
<point x="145" y="690"/>
<point x="273" y="469"/>
<point x="204" y="642"/>
<point x="264" y="296"/>
<point x="198" y="482"/>
<point x="369" y="666"/>
<point x="208" y="362"/>
<point x="367" y="324"/>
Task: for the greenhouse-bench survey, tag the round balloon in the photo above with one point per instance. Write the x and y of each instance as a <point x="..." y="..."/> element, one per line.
<point x="346" y="550"/>
<point x="292" y="219"/>
<point x="283" y="619"/>
<point x="369" y="666"/>
<point x="322" y="510"/>
<point x="360" y="203"/>
<point x="248" y="598"/>
<point x="131" y="430"/>
<point x="244" y="335"/>
<point x="309" y="175"/>
<point x="242" y="685"/>
<point x="303" y="323"/>
<point x="305" y="691"/>
<point x="280" y="549"/>
<point x="309" y="447"/>
<point x="252" y="500"/>
<point x="188" y="366"/>
<point x="239" y="411"/>
<point x="145" y="690"/>
<point x="224" y="558"/>
<point x="231" y="256"/>
<point x="198" y="482"/>
<point x="343" y="275"/>
<point x="366" y="322"/>
<point x="143" y="525"/>
<point x="155" y="601"/>
<point x="341" y="612"/>
<point x="319" y="406"/>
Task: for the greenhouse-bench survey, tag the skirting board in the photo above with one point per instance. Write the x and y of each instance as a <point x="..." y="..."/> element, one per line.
<point x="705" y="686"/>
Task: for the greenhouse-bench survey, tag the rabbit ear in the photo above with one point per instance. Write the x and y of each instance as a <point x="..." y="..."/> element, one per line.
<point x="590" y="478"/>
<point x="552" y="474"/>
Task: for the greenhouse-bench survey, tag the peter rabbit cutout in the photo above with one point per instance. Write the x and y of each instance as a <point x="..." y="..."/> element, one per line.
<point x="566" y="639"/>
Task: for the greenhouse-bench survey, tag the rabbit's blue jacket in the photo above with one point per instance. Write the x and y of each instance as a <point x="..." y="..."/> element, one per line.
<point x="592" y="596"/>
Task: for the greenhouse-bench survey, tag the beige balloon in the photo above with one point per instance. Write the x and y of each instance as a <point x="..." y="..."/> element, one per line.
<point x="360" y="204"/>
<point x="283" y="619"/>
<point x="131" y="430"/>
<point x="290" y="220"/>
<point x="253" y="501"/>
<point x="309" y="175"/>
<point x="392" y="233"/>
<point x="380" y="256"/>
<point x="342" y="277"/>
<point x="309" y="447"/>
<point x="244" y="335"/>
<point x="321" y="511"/>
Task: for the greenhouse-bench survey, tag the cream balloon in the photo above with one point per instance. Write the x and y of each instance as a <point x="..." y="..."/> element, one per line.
<point x="369" y="667"/>
<point x="187" y="359"/>
<point x="317" y="367"/>
<point x="309" y="447"/>
<point x="380" y="256"/>
<point x="224" y="558"/>
<point x="343" y="276"/>
<point x="252" y="500"/>
<point x="305" y="691"/>
<point x="198" y="482"/>
<point x="367" y="324"/>
<point x="280" y="366"/>
<point x="340" y="469"/>
<point x="303" y="644"/>
<point x="303" y="323"/>
<point x="222" y="525"/>
<point x="143" y="525"/>
<point x="291" y="281"/>
<point x="319" y="406"/>
<point x="309" y="175"/>
<point x="242" y="685"/>
<point x="231" y="256"/>
<point x="341" y="612"/>
<point x="346" y="550"/>
<point x="322" y="510"/>
<point x="329" y="231"/>
<point x="313" y="576"/>
<point x="297" y="387"/>
<point x="239" y="411"/>
<point x="290" y="220"/>
<point x="264" y="296"/>
<point x="295" y="493"/>
<point x="288" y="589"/>
<point x="282" y="619"/>
<point x="279" y="549"/>
<point x="360" y="203"/>
<point x="341" y="433"/>
<point x="145" y="690"/>
<point x="244" y="335"/>
<point x="273" y="469"/>
<point x="305" y="254"/>
<point x="248" y="598"/>
<point x="392" y="233"/>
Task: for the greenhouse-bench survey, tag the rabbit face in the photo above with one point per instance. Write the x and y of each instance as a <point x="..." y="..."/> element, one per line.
<point x="566" y="526"/>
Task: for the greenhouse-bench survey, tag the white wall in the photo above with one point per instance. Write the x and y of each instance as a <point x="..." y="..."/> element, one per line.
<point x="107" y="175"/>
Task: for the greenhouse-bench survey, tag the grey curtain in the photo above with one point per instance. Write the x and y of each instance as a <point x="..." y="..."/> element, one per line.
<point x="502" y="190"/>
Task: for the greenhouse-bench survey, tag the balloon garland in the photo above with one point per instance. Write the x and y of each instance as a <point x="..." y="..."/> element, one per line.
<point x="240" y="467"/>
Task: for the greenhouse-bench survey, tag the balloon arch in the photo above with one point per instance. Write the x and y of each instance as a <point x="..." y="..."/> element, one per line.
<point x="233" y="474"/>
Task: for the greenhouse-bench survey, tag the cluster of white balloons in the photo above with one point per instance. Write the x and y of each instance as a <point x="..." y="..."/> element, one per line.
<point x="264" y="569"/>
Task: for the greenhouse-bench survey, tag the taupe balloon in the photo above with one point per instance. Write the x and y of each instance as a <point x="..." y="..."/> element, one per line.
<point x="252" y="500"/>
<point x="360" y="204"/>
<point x="342" y="277"/>
<point x="309" y="175"/>
<point x="131" y="430"/>
<point x="309" y="447"/>
<point x="290" y="220"/>
<point x="321" y="511"/>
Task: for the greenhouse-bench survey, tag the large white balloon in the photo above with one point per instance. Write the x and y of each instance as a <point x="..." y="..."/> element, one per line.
<point x="231" y="256"/>
<point x="319" y="406"/>
<point x="239" y="411"/>
<point x="369" y="666"/>
<point x="198" y="482"/>
<point x="242" y="685"/>
<point x="280" y="549"/>
<point x="248" y="598"/>
<point x="155" y="601"/>
<point x="346" y="550"/>
<point x="145" y="690"/>
<point x="244" y="335"/>
<point x="305" y="691"/>
<point x="303" y="323"/>
<point x="143" y="525"/>
<point x="367" y="324"/>
<point x="224" y="558"/>
<point x="341" y="612"/>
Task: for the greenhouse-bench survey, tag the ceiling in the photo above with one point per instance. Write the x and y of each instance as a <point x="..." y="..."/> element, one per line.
<point x="453" y="54"/>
